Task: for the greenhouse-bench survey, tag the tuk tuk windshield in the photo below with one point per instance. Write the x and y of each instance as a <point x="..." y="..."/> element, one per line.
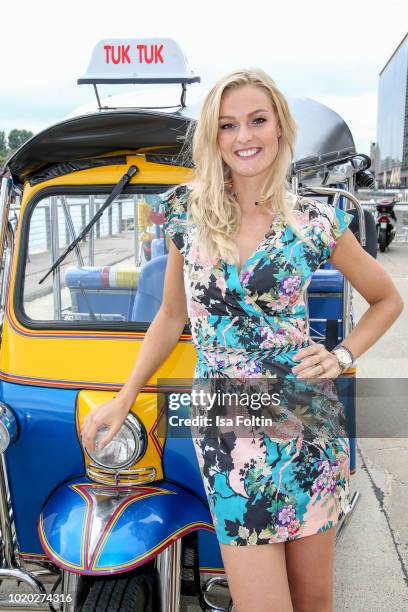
<point x="114" y="275"/>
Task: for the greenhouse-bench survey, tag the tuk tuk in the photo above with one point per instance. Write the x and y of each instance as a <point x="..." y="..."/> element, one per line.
<point x="83" y="256"/>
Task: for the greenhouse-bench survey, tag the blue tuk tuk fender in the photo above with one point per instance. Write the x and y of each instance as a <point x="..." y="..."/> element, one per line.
<point x="97" y="529"/>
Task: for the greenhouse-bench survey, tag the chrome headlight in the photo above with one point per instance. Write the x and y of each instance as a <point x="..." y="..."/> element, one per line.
<point x="127" y="447"/>
<point x="8" y="427"/>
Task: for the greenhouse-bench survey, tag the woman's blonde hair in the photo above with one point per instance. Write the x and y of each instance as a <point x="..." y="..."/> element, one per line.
<point x="212" y="207"/>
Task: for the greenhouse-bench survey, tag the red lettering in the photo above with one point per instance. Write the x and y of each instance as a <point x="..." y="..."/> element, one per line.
<point x="107" y="49"/>
<point x="157" y="54"/>
<point x="116" y="59"/>
<point x="153" y="54"/>
<point x="125" y="56"/>
<point x="149" y="59"/>
<point x="140" y="49"/>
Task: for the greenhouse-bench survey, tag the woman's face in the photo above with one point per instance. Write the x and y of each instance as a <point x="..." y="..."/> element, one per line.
<point x="248" y="131"/>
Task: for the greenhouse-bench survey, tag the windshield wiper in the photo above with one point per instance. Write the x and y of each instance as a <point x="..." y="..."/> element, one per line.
<point x="116" y="191"/>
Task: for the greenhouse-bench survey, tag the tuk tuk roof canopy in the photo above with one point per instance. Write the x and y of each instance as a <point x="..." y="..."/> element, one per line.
<point x="323" y="137"/>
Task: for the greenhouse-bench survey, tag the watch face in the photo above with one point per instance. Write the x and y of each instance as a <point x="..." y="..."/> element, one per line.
<point x="343" y="356"/>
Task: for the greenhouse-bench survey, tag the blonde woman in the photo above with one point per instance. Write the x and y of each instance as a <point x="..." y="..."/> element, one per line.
<point x="242" y="253"/>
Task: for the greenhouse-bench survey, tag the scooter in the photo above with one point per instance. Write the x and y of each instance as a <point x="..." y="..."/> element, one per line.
<point x="386" y="221"/>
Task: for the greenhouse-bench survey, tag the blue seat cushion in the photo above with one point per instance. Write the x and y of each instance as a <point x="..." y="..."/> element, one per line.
<point x="149" y="294"/>
<point x="328" y="281"/>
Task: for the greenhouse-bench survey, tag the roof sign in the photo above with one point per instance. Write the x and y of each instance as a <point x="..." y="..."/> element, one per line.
<point x="138" y="60"/>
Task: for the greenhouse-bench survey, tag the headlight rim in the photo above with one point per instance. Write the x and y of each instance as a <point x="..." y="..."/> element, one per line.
<point x="139" y="431"/>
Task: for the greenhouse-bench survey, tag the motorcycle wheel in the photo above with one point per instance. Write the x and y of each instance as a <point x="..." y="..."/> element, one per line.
<point x="382" y="239"/>
<point x="120" y="594"/>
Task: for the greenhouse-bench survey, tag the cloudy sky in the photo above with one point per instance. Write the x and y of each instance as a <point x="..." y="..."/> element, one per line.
<point x="332" y="52"/>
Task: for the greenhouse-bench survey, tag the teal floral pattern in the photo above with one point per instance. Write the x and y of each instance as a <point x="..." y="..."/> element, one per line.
<point x="261" y="488"/>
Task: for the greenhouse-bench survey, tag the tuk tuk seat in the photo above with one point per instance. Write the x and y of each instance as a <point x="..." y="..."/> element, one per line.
<point x="149" y="294"/>
<point x="325" y="305"/>
<point x="106" y="289"/>
<point x="158" y="247"/>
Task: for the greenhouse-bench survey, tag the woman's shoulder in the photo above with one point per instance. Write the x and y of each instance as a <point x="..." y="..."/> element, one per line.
<point x="310" y="205"/>
<point x="176" y="196"/>
<point x="320" y="211"/>
<point x="173" y="205"/>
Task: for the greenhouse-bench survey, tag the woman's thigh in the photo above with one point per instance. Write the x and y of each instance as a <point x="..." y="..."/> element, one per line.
<point x="310" y="569"/>
<point x="257" y="577"/>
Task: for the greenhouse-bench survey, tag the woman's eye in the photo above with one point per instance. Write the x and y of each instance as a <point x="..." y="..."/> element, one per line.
<point x="225" y="125"/>
<point x="260" y="119"/>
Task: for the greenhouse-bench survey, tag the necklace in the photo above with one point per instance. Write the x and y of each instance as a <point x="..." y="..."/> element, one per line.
<point x="255" y="203"/>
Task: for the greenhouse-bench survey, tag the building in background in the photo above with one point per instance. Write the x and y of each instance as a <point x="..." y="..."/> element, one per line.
<point x="391" y="148"/>
<point x="373" y="156"/>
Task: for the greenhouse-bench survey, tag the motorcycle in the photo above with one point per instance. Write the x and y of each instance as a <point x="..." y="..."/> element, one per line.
<point x="386" y="222"/>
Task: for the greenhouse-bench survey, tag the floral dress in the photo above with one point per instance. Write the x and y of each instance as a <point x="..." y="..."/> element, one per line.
<point x="262" y="486"/>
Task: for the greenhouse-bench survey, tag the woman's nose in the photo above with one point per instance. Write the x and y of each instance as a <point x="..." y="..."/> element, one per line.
<point x="244" y="134"/>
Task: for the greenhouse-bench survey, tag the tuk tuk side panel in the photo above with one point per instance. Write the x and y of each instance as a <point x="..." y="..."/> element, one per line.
<point x="104" y="362"/>
<point x="45" y="453"/>
<point x="209" y="553"/>
<point x="85" y="360"/>
<point x="180" y="461"/>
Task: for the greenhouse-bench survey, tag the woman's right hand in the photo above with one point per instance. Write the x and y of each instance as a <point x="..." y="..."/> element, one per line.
<point x="111" y="414"/>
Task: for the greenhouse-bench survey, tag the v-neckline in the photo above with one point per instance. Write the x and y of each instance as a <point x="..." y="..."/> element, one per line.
<point x="270" y="229"/>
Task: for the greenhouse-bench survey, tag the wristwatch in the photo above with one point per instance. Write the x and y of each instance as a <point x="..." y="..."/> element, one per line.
<point x="344" y="356"/>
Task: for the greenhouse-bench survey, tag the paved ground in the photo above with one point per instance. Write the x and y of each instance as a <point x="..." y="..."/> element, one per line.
<point x="372" y="557"/>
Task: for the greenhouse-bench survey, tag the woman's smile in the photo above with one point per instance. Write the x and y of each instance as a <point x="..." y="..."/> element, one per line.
<point x="248" y="153"/>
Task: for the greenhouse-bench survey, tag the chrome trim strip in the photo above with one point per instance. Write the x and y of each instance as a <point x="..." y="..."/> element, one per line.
<point x="70" y="582"/>
<point x="5" y="267"/>
<point x="5" y="191"/>
<point x="347" y="285"/>
<point x="120" y="478"/>
<point x="324" y="320"/>
<point x="54" y="247"/>
<point x="8" y="551"/>
<point x="168" y="567"/>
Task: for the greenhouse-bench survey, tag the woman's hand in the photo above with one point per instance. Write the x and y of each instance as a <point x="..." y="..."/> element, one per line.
<point x="111" y="414"/>
<point x="316" y="362"/>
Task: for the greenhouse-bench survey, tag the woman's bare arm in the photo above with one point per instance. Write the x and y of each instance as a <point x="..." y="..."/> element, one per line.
<point x="161" y="337"/>
<point x="370" y="279"/>
<point x="164" y="331"/>
<point x="376" y="286"/>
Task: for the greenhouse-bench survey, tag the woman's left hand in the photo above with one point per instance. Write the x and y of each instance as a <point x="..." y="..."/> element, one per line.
<point x="315" y="361"/>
